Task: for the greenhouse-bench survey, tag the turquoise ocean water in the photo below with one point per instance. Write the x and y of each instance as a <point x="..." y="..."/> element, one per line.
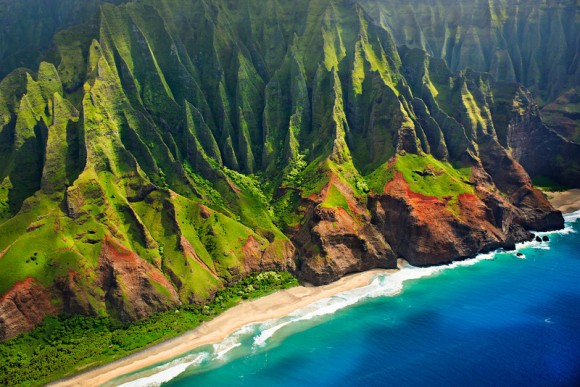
<point x="495" y="320"/>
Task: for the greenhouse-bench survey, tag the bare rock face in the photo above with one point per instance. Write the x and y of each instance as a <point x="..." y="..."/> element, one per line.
<point x="337" y="241"/>
<point x="538" y="148"/>
<point x="23" y="307"/>
<point x="133" y="287"/>
<point x="76" y="296"/>
<point x="271" y="257"/>
<point x="536" y="212"/>
<point x="424" y="230"/>
<point x="542" y="151"/>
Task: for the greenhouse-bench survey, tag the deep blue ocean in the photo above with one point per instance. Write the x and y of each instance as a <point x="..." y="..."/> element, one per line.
<point x="494" y="320"/>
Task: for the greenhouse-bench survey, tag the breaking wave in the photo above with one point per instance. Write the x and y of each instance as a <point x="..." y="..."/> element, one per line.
<point x="252" y="337"/>
<point x="168" y="371"/>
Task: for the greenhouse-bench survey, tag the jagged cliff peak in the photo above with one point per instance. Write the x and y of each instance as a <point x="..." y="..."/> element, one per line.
<point x="168" y="148"/>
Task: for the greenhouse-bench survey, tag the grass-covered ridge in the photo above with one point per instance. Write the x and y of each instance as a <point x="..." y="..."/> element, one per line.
<point x="199" y="140"/>
<point x="163" y="135"/>
<point x="431" y="177"/>
<point x="425" y="175"/>
<point x="63" y="346"/>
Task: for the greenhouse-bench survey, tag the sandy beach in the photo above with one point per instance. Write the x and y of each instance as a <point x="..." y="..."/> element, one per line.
<point x="274" y="306"/>
<point x="566" y="201"/>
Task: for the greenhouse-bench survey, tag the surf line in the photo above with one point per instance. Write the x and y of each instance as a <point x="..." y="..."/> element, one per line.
<point x="382" y="285"/>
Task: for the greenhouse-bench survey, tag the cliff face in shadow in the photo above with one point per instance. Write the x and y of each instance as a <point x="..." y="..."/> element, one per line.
<point x="563" y="115"/>
<point x="534" y="42"/>
<point x="170" y="148"/>
<point x="29" y="26"/>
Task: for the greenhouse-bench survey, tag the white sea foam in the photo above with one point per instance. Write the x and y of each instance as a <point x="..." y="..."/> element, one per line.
<point x="383" y="285"/>
<point x="533" y="244"/>
<point x="232" y="341"/>
<point x="542" y="247"/>
<point x="168" y="371"/>
<point x="222" y="348"/>
<point x="572" y="217"/>
<point x="569" y="220"/>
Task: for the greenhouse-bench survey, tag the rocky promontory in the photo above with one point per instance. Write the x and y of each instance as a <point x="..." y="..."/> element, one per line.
<point x="167" y="149"/>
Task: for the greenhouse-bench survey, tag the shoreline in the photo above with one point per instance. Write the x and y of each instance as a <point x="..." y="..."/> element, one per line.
<point x="273" y="306"/>
<point x="565" y="201"/>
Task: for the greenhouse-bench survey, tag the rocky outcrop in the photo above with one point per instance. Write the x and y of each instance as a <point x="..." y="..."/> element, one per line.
<point x="79" y="295"/>
<point x="539" y="149"/>
<point x="425" y="231"/>
<point x="23" y="307"/>
<point x="168" y="151"/>
<point x="133" y="287"/>
<point x="337" y="241"/>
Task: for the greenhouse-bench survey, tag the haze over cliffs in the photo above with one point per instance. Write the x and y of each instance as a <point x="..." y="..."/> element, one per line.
<point x="534" y="42"/>
<point x="166" y="148"/>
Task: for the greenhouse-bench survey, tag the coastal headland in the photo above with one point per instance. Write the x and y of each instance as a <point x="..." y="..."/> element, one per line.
<point x="273" y="306"/>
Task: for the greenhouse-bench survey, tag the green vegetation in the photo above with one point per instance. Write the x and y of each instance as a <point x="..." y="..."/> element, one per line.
<point x="135" y="121"/>
<point x="249" y="184"/>
<point x="196" y="138"/>
<point x="66" y="345"/>
<point x="335" y="199"/>
<point x="431" y="177"/>
<point x="377" y="180"/>
<point x="285" y="210"/>
<point x="425" y="175"/>
<point x="547" y="184"/>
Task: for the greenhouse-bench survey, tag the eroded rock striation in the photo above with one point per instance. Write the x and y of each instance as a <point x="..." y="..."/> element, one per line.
<point x="174" y="147"/>
<point x="533" y="42"/>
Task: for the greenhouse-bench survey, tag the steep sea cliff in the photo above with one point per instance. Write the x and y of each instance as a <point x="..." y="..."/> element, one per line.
<point x="177" y="147"/>
<point x="499" y="318"/>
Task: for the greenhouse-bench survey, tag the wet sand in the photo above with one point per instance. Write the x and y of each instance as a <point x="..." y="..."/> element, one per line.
<point x="273" y="306"/>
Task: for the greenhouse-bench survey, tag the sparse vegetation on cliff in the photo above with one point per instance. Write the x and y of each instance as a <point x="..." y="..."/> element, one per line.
<point x="65" y="345"/>
<point x="167" y="149"/>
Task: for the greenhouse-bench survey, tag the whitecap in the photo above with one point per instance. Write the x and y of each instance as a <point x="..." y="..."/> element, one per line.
<point x="381" y="286"/>
<point x="168" y="371"/>
<point x="572" y="217"/>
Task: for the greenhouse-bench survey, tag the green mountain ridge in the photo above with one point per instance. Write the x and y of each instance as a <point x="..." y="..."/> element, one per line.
<point x="30" y="25"/>
<point x="531" y="42"/>
<point x="534" y="42"/>
<point x="169" y="149"/>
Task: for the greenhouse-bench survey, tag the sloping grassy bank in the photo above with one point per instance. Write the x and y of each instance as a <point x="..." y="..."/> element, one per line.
<point x="66" y="345"/>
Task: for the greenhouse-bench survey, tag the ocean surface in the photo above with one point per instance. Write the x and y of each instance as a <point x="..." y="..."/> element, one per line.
<point x="495" y="320"/>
